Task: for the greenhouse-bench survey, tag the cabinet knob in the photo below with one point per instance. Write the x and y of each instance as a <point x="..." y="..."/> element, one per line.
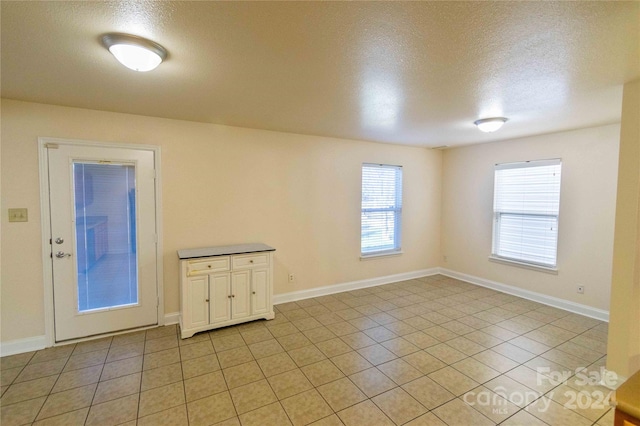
<point x="253" y="292"/>
<point x="206" y="300"/>
<point x="233" y="295"/>
<point x="209" y="266"/>
<point x="229" y="296"/>
<point x="251" y="261"/>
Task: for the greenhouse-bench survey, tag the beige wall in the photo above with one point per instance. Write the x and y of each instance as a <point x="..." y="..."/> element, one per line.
<point x="587" y="209"/>
<point x="222" y="185"/>
<point x="624" y="327"/>
<point x="301" y="194"/>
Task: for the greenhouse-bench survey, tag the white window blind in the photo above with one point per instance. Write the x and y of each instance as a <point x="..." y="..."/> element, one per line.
<point x="526" y="207"/>
<point x="381" y="209"/>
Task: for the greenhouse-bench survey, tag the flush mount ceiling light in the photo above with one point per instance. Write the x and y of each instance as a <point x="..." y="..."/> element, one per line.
<point x="490" y="124"/>
<point x="136" y="53"/>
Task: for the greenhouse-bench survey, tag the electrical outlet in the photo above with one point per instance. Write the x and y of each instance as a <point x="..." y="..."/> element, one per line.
<point x="291" y="278"/>
<point x="18" y="215"/>
<point x="580" y="289"/>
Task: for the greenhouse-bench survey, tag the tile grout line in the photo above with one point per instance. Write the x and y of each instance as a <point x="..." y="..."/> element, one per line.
<point x="353" y="303"/>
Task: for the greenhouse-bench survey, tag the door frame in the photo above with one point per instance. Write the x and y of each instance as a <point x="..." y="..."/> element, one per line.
<point x="47" y="260"/>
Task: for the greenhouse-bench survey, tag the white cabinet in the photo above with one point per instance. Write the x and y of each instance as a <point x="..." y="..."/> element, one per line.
<point x="222" y="286"/>
<point x="217" y="301"/>
<point x="261" y="292"/>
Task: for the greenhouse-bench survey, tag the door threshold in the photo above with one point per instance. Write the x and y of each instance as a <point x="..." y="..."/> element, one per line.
<point x="103" y="335"/>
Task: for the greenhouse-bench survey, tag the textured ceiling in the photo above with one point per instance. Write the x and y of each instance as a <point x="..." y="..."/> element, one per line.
<point x="416" y="73"/>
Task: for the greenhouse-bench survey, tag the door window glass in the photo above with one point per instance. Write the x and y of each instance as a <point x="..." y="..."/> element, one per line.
<point x="105" y="219"/>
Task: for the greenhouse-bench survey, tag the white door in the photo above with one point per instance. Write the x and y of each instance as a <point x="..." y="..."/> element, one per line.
<point x="260" y="291"/>
<point x="198" y="294"/>
<point x="103" y="239"/>
<point x="219" y="297"/>
<point x="240" y="289"/>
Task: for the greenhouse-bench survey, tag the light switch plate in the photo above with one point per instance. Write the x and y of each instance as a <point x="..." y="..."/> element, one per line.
<point x="18" y="215"/>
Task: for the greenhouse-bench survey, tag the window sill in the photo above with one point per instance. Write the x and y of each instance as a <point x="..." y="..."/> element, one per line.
<point x="377" y="255"/>
<point x="545" y="269"/>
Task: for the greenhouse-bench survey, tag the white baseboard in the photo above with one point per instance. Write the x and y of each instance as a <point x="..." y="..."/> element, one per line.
<point x="19" y="346"/>
<point x="611" y="380"/>
<point x="28" y="344"/>
<point x="353" y="285"/>
<point x="172" y="318"/>
<point x="555" y="302"/>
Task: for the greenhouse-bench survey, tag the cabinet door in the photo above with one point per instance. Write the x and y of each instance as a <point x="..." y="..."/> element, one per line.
<point x="241" y="288"/>
<point x="219" y="305"/>
<point x="260" y="291"/>
<point x="196" y="313"/>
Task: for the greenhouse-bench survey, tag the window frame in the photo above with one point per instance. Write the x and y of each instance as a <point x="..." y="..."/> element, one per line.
<point x="395" y="209"/>
<point x="499" y="215"/>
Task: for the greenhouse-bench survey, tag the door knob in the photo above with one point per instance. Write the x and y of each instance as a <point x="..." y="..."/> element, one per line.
<point x="59" y="240"/>
<point x="61" y="254"/>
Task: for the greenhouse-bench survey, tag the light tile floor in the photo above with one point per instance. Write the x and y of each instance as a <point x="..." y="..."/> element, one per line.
<point x="431" y="351"/>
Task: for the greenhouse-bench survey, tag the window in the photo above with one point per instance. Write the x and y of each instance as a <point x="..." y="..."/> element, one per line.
<point x="381" y="209"/>
<point x="525" y="207"/>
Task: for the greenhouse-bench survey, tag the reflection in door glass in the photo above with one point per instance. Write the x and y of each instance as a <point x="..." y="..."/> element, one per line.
<point x="105" y="213"/>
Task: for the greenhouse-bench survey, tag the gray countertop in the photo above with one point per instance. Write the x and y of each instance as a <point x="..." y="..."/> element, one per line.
<point x="223" y="250"/>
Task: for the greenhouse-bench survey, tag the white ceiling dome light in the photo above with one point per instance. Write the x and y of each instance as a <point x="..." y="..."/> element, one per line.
<point x="136" y="53"/>
<point x="488" y="125"/>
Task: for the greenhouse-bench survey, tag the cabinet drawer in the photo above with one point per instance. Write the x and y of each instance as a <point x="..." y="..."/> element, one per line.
<point x="250" y="261"/>
<point x="205" y="266"/>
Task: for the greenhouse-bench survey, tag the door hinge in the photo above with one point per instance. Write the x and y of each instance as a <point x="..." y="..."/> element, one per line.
<point x="52" y="146"/>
